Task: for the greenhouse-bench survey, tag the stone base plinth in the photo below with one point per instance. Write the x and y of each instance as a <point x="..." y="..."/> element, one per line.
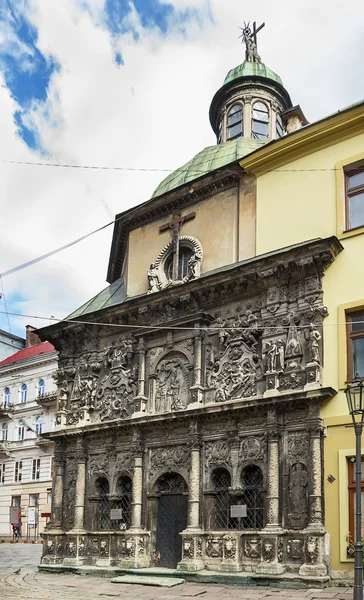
<point x="270" y="568"/>
<point x="192" y="551"/>
<point x="313" y="571"/>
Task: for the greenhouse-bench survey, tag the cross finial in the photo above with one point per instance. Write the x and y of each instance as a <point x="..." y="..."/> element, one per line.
<point x="249" y="38"/>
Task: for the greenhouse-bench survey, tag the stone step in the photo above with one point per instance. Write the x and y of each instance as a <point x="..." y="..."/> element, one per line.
<point x="149" y="580"/>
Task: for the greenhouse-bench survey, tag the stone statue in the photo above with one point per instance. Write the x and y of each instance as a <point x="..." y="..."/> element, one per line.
<point x="313" y="337"/>
<point x="249" y="38"/>
<point x="194" y="265"/>
<point x="153" y="279"/>
<point x="63" y="396"/>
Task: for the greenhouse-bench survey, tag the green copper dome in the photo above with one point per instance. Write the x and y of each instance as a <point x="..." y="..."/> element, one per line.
<point x="209" y="159"/>
<point x="252" y="69"/>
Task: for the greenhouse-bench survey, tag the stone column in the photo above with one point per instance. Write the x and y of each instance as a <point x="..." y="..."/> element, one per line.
<point x="194" y="489"/>
<point x="273" y="482"/>
<point x="315" y="496"/>
<point x="196" y="389"/>
<point x="136" y="515"/>
<point x="140" y="402"/>
<point x="271" y="540"/>
<point x="78" y="524"/>
<point x="57" y="498"/>
<point x="191" y="536"/>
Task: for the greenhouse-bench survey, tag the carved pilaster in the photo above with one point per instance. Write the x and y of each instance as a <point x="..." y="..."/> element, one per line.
<point x="140" y="402"/>
<point x="196" y="389"/>
<point x="80" y="455"/>
<point x="59" y="459"/>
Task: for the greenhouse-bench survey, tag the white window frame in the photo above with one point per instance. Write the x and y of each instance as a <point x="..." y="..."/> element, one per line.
<point x="35" y="469"/>
<point x="18" y="466"/>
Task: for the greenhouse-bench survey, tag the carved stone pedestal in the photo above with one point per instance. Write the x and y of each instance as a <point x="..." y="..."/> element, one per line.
<point x="314" y="566"/>
<point x="272" y="545"/>
<point x="140" y="405"/>
<point x="132" y="550"/>
<point x="231" y="561"/>
<point x="313" y="376"/>
<point x="196" y="396"/>
<point x="272" y="383"/>
<point x="60" y="419"/>
<point x="192" y="547"/>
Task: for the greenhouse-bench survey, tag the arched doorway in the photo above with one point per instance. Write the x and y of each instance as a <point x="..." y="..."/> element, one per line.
<point x="172" y="519"/>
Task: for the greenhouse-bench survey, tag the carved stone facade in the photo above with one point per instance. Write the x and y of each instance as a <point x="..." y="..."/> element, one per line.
<point x="208" y="404"/>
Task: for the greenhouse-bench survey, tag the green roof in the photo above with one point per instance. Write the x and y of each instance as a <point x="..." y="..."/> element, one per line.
<point x="111" y="296"/>
<point x="209" y="159"/>
<point x="252" y="69"/>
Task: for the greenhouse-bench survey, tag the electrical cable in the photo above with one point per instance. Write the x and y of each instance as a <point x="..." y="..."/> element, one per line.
<point x="146" y="169"/>
<point x="76" y="321"/>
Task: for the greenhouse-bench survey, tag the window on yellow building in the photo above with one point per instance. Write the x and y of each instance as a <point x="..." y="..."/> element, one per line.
<point x="352" y="489"/>
<point x="355" y="344"/>
<point x="354" y="198"/>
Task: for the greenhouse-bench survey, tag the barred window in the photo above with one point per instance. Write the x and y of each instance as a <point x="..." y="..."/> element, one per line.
<point x="122" y="500"/>
<point x="221" y="485"/>
<point x="253" y="497"/>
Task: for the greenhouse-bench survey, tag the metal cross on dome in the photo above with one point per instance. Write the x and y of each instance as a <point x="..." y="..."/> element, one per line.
<point x="249" y="38"/>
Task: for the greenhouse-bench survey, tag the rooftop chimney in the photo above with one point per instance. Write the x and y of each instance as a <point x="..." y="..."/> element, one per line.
<point x="31" y="338"/>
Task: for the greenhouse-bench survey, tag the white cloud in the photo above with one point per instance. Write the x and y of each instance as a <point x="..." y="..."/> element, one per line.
<point x="152" y="112"/>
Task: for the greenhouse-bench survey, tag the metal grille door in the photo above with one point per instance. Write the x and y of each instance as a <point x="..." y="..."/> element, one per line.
<point x="254" y="495"/>
<point x="172" y="519"/>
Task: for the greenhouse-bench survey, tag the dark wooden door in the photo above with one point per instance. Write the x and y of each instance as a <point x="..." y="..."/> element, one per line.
<point x="172" y="519"/>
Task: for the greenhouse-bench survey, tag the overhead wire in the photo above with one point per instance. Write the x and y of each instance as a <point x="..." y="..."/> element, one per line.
<point x="77" y="321"/>
<point x="148" y="169"/>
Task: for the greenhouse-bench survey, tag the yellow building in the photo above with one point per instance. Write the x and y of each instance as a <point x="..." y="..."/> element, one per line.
<point x="310" y="184"/>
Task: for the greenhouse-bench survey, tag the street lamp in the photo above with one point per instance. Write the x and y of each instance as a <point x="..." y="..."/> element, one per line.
<point x="355" y="399"/>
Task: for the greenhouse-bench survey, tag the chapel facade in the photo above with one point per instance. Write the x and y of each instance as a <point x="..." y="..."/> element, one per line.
<point x="188" y="428"/>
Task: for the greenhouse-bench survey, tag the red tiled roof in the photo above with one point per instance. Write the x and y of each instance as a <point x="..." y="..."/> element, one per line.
<point x="42" y="348"/>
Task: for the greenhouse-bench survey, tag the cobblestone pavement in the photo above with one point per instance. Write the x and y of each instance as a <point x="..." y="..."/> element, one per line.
<point x="28" y="584"/>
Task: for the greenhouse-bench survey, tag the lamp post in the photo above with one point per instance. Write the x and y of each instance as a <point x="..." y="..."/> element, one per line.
<point x="355" y="399"/>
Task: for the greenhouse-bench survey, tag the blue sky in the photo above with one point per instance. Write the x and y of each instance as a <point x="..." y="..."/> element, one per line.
<point x="129" y="83"/>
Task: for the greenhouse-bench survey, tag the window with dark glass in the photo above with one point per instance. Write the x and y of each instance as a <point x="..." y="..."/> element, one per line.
<point x="354" y="198"/>
<point x="279" y="127"/>
<point x="183" y="258"/>
<point x="235" y="122"/>
<point x="352" y="490"/>
<point x="2" y="473"/>
<point x="355" y="344"/>
<point x="221" y="486"/>
<point x="260" y="121"/>
<point x="254" y="493"/>
<point x="21" y="429"/>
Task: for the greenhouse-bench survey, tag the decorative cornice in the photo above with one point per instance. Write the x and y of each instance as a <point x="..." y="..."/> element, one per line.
<point x="157" y="208"/>
<point x="238" y="280"/>
<point x="307" y="140"/>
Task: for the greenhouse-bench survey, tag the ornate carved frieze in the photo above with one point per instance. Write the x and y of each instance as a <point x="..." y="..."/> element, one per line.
<point x="269" y="549"/>
<point x="230" y="547"/>
<point x="172" y="383"/>
<point x="252" y="547"/>
<point x="295" y="548"/>
<point x="214" y="547"/>
<point x="298" y="446"/>
<point x="217" y="453"/>
<point x="253" y="448"/>
<point x="164" y="459"/>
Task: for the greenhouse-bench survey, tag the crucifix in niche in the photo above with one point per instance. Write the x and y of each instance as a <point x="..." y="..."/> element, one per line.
<point x="175" y="225"/>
